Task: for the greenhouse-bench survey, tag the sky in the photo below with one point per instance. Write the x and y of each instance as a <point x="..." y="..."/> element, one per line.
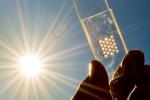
<point x="52" y="29"/>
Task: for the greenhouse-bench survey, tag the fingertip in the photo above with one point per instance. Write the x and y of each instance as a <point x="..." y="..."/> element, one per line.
<point x="137" y="55"/>
<point x="97" y="70"/>
<point x="95" y="64"/>
<point x="134" y="57"/>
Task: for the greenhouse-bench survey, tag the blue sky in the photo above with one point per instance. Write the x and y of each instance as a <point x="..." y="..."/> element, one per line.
<point x="25" y="24"/>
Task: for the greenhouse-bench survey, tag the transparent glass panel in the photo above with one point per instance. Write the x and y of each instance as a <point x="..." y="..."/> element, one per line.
<point x="102" y="32"/>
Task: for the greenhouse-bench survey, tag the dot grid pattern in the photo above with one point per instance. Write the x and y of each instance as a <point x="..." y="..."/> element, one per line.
<point x="108" y="46"/>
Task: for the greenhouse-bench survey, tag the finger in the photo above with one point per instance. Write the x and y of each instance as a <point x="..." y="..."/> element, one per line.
<point x="95" y="86"/>
<point x="97" y="73"/>
<point x="134" y="59"/>
<point x="126" y="76"/>
<point x="134" y="64"/>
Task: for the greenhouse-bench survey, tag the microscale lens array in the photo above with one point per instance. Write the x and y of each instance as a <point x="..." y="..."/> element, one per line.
<point x="108" y="46"/>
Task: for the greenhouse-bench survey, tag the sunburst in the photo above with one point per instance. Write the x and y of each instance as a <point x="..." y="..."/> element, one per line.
<point x="28" y="61"/>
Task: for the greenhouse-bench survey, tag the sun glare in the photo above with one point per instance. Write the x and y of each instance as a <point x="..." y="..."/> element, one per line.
<point x="35" y="55"/>
<point x="30" y="65"/>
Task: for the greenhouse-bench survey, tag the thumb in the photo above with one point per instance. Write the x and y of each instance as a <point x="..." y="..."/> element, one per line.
<point x="133" y="64"/>
<point x="95" y="86"/>
<point x="98" y="74"/>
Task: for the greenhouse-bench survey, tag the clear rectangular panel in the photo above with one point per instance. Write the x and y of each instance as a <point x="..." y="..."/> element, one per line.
<point x="105" y="39"/>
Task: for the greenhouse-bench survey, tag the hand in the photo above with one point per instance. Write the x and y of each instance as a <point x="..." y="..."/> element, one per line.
<point x="131" y="75"/>
<point x="130" y="80"/>
<point x="141" y="91"/>
<point x="96" y="85"/>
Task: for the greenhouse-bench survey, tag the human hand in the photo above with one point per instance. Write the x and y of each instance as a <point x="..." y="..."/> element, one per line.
<point x="131" y="75"/>
<point x="96" y="84"/>
<point x="130" y="80"/>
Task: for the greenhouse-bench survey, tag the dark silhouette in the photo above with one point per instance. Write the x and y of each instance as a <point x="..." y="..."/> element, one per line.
<point x="142" y="91"/>
<point x="95" y="86"/>
<point x="131" y="75"/>
<point x="131" y="81"/>
<point x="125" y="77"/>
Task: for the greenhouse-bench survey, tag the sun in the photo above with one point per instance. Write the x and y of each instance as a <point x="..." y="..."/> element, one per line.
<point x="30" y="65"/>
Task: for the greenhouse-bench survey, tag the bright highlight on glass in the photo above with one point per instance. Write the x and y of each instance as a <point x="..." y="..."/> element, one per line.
<point x="108" y="46"/>
<point x="102" y="32"/>
<point x="30" y="65"/>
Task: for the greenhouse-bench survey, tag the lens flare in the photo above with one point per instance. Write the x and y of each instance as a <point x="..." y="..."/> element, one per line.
<point x="30" y="65"/>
